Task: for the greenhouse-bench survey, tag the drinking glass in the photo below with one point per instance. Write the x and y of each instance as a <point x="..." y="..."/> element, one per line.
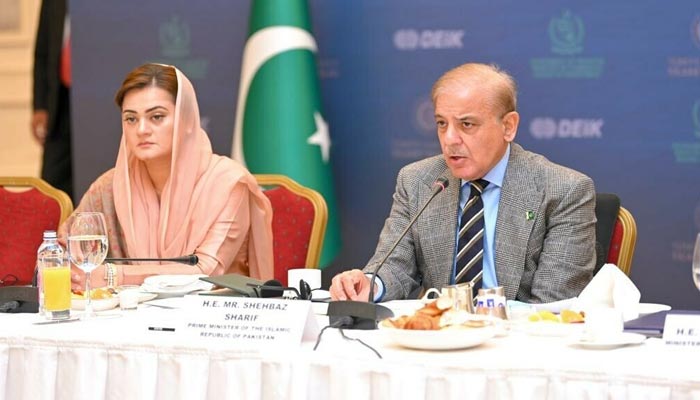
<point x="87" y="247"/>
<point x="696" y="262"/>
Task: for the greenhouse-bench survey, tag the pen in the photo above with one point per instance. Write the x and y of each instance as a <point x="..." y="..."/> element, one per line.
<point x="161" y="329"/>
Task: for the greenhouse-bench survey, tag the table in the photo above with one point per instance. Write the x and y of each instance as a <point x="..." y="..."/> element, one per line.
<point x="118" y="358"/>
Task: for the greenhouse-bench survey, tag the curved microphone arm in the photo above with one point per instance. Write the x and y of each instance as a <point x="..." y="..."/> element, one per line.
<point x="191" y="259"/>
<point x="438" y="186"/>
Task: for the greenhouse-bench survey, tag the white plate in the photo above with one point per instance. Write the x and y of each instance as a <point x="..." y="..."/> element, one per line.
<point x="144" y="296"/>
<point x="650" y="308"/>
<point x="403" y="307"/>
<point x="443" y="339"/>
<point x="107" y="304"/>
<point x="174" y="285"/>
<point x="619" y="340"/>
<point x="548" y="328"/>
<point x="97" y="304"/>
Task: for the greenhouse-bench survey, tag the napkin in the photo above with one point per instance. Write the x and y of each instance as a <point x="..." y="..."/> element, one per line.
<point x="610" y="287"/>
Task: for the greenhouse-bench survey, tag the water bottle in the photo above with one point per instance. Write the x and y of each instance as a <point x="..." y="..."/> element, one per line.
<point x="49" y="255"/>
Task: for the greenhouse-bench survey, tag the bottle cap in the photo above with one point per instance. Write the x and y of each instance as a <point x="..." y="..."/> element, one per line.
<point x="51" y="234"/>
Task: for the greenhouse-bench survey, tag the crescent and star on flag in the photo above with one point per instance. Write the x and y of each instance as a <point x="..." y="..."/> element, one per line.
<point x="260" y="47"/>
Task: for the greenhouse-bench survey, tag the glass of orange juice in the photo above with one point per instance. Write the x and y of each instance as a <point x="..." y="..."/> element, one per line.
<point x="57" y="295"/>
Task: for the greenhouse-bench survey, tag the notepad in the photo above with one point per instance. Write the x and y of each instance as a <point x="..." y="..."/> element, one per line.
<point x="653" y="324"/>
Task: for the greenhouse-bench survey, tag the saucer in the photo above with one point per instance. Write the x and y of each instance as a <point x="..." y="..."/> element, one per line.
<point x="618" y="340"/>
<point x="546" y="328"/>
<point x="108" y="303"/>
<point x="650" y="308"/>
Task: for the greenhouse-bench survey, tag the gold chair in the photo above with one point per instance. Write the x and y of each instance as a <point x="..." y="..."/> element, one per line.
<point x="623" y="242"/>
<point x="28" y="207"/>
<point x="299" y="223"/>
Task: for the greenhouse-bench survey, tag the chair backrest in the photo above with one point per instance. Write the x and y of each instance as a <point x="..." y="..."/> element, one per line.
<point x="623" y="242"/>
<point x="616" y="233"/>
<point x="28" y="207"/>
<point x="607" y="208"/>
<point x="299" y="222"/>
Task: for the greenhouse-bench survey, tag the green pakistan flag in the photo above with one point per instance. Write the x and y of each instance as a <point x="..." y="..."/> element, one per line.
<point x="280" y="127"/>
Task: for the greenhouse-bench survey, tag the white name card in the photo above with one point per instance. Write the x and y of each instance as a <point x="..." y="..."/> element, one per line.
<point x="682" y="330"/>
<point x="249" y="322"/>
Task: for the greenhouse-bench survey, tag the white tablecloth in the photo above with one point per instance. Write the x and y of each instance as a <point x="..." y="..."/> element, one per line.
<point x="118" y="358"/>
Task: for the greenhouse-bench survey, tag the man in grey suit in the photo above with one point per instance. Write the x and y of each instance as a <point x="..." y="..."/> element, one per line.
<point x="539" y="236"/>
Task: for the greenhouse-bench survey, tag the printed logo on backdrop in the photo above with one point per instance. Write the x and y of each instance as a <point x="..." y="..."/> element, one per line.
<point x="175" y="40"/>
<point x="566" y="36"/>
<point x="687" y="66"/>
<point x="689" y="152"/>
<point x="424" y="120"/>
<point x="422" y="141"/>
<point x="428" y="39"/>
<point x="695" y="30"/>
<point x="547" y="128"/>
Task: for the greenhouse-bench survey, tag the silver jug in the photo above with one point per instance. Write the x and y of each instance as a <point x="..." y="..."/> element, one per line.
<point x="463" y="296"/>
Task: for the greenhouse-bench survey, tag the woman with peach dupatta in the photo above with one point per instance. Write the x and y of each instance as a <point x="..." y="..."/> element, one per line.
<point x="170" y="196"/>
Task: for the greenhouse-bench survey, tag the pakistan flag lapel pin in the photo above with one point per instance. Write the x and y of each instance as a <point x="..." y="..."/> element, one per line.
<point x="529" y="215"/>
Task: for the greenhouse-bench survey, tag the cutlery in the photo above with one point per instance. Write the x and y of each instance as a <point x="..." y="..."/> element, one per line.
<point x="57" y="321"/>
<point x="160" y="306"/>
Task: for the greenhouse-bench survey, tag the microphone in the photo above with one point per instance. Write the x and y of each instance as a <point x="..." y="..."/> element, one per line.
<point x="366" y="315"/>
<point x="273" y="288"/>
<point x="9" y="306"/>
<point x="191" y="259"/>
<point x="19" y="299"/>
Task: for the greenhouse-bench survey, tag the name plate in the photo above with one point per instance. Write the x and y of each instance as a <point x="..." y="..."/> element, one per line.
<point x="249" y="322"/>
<point x="682" y="330"/>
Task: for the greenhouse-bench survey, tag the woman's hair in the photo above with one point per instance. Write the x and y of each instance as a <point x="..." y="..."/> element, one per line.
<point x="158" y="75"/>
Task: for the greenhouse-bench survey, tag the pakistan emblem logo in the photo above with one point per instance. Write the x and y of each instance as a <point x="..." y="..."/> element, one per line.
<point x="174" y="38"/>
<point x="696" y="118"/>
<point x="566" y="34"/>
<point x="695" y="30"/>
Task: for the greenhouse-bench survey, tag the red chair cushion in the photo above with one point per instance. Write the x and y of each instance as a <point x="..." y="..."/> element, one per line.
<point x="615" y="243"/>
<point x="292" y="220"/>
<point x="24" y="216"/>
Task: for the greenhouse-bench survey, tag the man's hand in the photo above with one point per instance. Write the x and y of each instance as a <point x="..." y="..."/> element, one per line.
<point x="39" y="125"/>
<point x="353" y="285"/>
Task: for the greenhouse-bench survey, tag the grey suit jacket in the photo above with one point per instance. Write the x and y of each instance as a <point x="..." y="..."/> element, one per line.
<point x="546" y="258"/>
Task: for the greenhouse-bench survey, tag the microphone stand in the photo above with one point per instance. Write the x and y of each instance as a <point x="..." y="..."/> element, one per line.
<point x="191" y="259"/>
<point x="360" y="315"/>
